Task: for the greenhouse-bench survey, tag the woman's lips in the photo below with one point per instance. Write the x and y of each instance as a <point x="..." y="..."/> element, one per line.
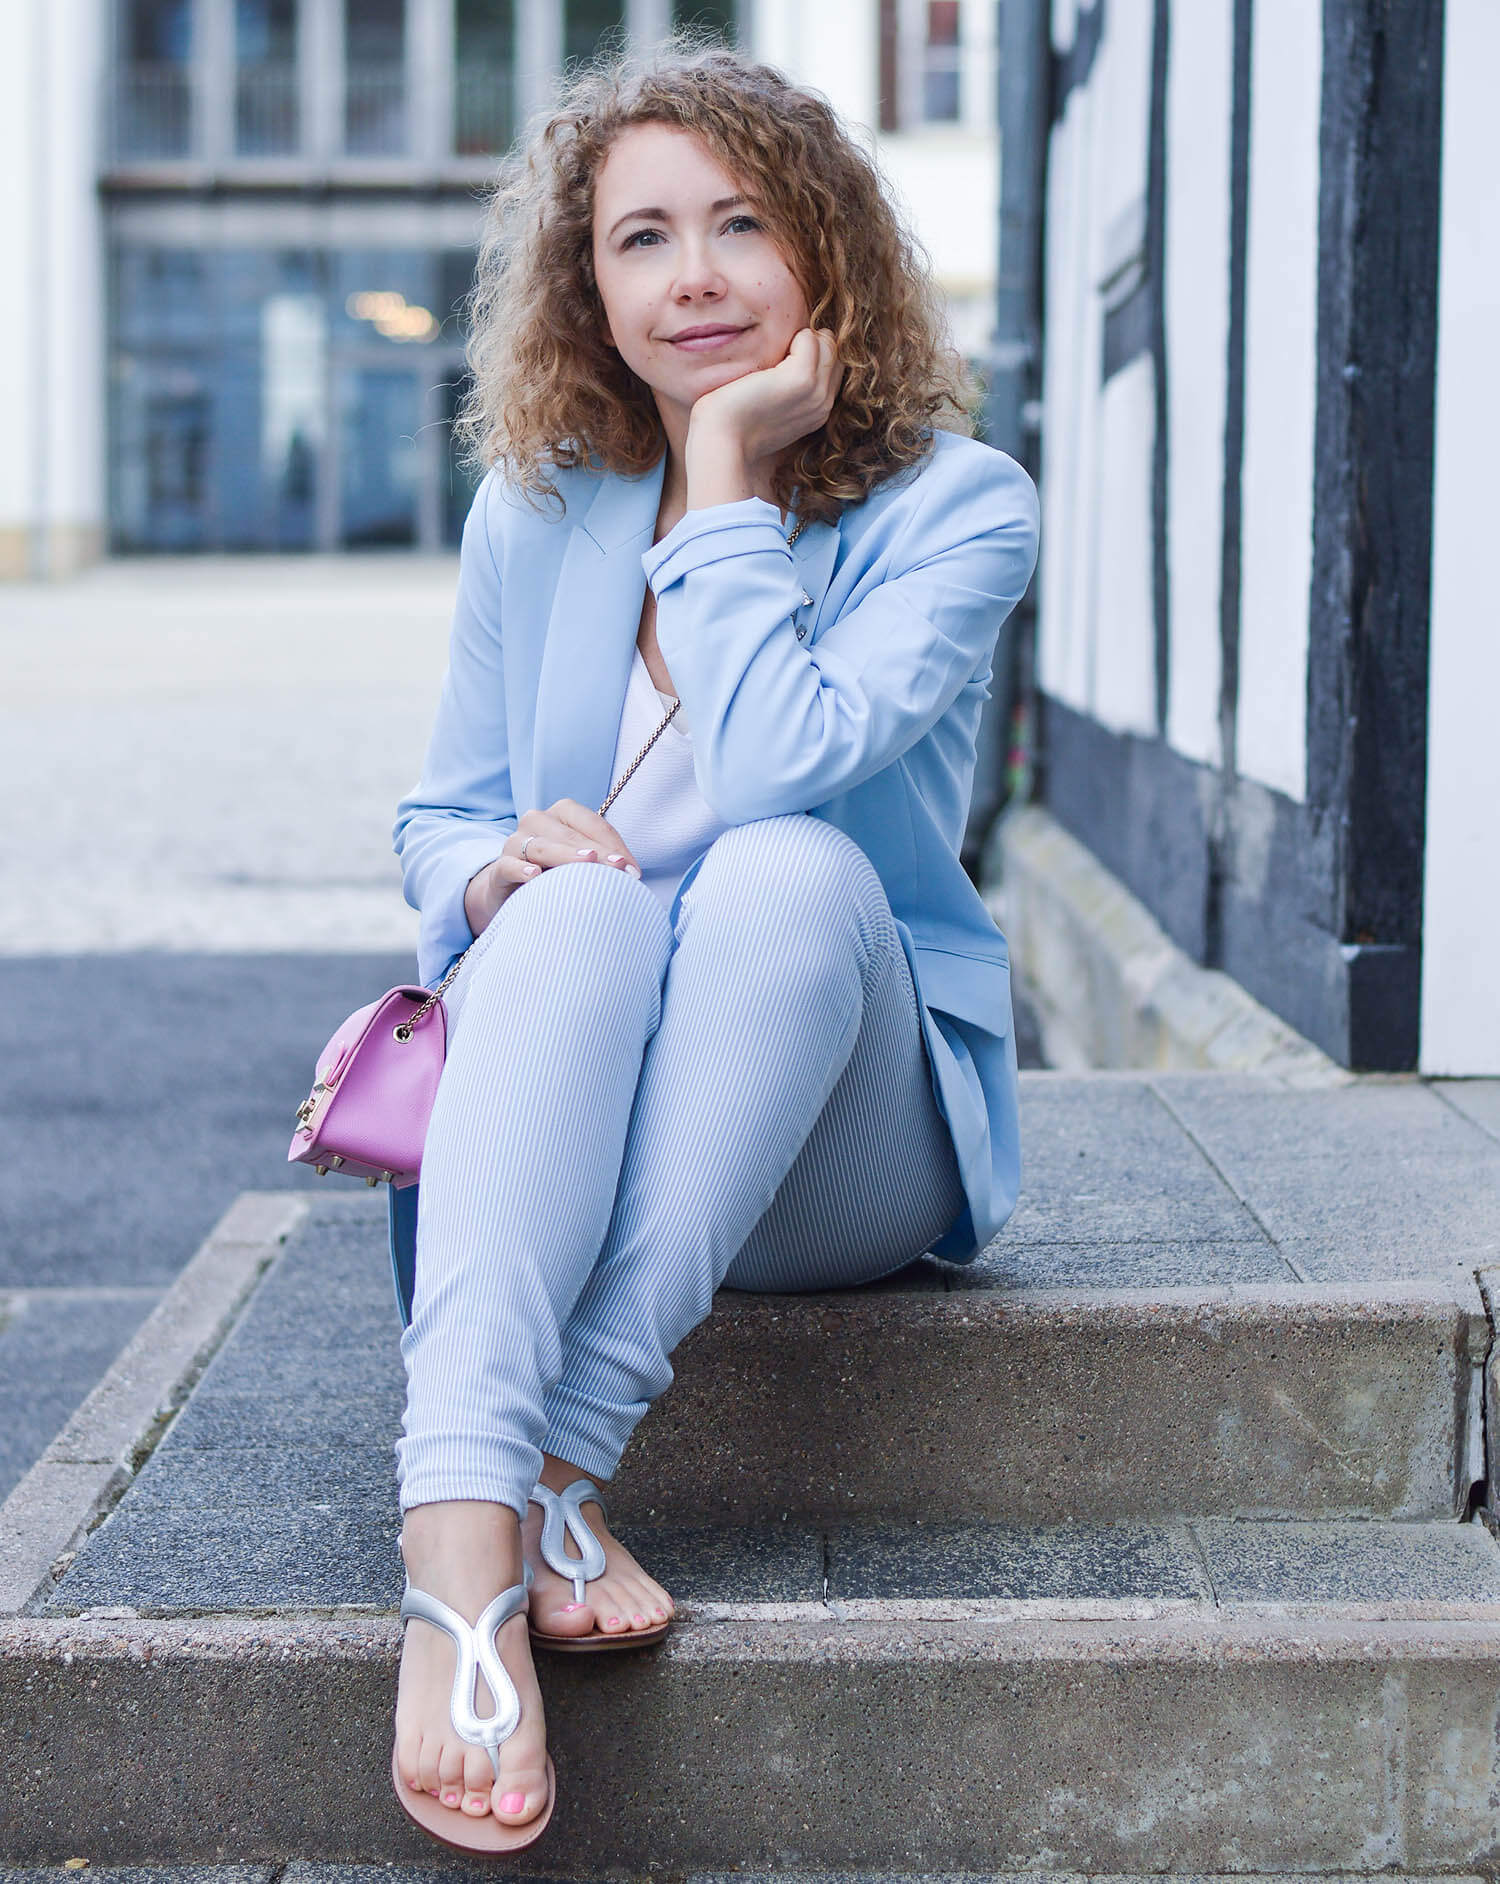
<point x="707" y="343"/>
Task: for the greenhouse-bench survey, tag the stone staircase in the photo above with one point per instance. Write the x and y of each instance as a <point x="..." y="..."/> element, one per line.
<point x="1157" y="1541"/>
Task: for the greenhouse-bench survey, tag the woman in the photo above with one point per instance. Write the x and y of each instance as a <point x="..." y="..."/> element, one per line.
<point x="755" y="1027"/>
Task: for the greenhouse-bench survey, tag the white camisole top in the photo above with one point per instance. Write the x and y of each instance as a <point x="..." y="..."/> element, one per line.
<point x="660" y="812"/>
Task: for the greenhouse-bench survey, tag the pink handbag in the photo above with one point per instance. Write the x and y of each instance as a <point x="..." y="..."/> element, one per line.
<point x="377" y="1078"/>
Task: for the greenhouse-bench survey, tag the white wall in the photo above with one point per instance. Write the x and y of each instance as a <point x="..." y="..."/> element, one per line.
<point x="1070" y="387"/>
<point x="1096" y="638"/>
<point x="1280" y="392"/>
<point x="1461" y="922"/>
<point x="51" y="323"/>
<point x="1200" y="77"/>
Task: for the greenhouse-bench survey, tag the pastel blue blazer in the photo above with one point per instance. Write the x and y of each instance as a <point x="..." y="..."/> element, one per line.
<point x="843" y="677"/>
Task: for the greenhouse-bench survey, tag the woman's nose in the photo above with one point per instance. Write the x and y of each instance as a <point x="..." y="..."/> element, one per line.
<point x="697" y="273"/>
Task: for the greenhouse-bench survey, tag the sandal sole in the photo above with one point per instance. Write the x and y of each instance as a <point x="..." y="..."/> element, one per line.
<point x="488" y="1834"/>
<point x="597" y="1639"/>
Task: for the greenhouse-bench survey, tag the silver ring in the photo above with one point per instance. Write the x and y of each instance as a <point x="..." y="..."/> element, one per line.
<point x="524" y="842"/>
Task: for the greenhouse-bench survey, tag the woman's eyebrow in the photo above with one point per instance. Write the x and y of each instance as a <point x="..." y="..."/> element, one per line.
<point x="662" y="215"/>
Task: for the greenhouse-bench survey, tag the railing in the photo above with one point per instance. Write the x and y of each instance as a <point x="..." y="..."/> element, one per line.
<point x="375" y="111"/>
<point x="266" y="115"/>
<point x="153" y="111"/>
<point x="483" y="109"/>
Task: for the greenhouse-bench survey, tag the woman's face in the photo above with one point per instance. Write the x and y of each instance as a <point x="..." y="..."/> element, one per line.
<point x="674" y="252"/>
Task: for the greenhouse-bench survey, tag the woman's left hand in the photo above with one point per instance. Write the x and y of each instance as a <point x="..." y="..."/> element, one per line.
<point x="761" y="413"/>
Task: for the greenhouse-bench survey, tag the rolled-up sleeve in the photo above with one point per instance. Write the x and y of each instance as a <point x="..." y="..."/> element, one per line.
<point x="779" y="725"/>
<point x="457" y="817"/>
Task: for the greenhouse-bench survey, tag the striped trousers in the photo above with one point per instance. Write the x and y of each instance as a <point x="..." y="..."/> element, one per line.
<point x="632" y="1114"/>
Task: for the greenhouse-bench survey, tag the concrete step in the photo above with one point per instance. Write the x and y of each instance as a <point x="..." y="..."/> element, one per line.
<point x="1199" y="1697"/>
<point x="938" y="1396"/>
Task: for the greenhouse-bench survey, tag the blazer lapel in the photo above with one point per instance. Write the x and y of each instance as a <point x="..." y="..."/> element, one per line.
<point x="590" y="640"/>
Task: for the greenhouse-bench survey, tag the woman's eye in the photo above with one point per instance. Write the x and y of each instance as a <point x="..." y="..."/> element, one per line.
<point x="631" y="240"/>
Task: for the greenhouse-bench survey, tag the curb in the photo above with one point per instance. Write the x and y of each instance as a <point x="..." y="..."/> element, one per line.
<point x="88" y="1465"/>
<point x="1109" y="986"/>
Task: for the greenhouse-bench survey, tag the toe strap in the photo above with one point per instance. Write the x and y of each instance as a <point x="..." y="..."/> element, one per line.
<point x="562" y="1516"/>
<point x="476" y="1652"/>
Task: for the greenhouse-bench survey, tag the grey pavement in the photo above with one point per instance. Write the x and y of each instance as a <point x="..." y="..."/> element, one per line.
<point x="206" y="754"/>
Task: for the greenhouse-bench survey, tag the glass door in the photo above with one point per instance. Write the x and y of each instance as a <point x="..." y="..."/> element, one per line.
<point x="381" y="468"/>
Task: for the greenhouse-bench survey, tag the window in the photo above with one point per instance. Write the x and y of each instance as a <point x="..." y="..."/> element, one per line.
<point x="584" y="23"/>
<point x="719" y="20"/>
<point x="265" y="81"/>
<point x="940" y="63"/>
<point x="484" y="38"/>
<point x="921" y="63"/>
<point x="153" y="90"/>
<point x="375" y="78"/>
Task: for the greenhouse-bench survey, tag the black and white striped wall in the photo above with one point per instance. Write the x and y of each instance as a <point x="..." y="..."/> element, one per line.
<point x="1267" y="643"/>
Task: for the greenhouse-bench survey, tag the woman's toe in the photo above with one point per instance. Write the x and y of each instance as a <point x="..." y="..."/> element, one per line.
<point x="516" y="1801"/>
<point x="476" y="1804"/>
<point x="567" y="1618"/>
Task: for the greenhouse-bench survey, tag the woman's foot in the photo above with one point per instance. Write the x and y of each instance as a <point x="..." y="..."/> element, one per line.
<point x="624" y="1599"/>
<point x="464" y="1552"/>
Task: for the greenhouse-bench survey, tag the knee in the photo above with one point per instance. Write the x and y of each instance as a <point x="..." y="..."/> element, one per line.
<point x="581" y="914"/>
<point x="797" y="871"/>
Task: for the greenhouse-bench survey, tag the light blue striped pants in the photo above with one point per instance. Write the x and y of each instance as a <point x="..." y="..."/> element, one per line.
<point x="629" y="1116"/>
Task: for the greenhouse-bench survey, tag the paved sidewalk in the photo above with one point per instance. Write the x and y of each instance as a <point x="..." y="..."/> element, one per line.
<point x="207" y="753"/>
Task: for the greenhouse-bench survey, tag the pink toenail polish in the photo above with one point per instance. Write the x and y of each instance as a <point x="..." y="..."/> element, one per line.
<point x="512" y="1802"/>
<point x="450" y="1798"/>
<point x="614" y="1622"/>
<point x="568" y="1608"/>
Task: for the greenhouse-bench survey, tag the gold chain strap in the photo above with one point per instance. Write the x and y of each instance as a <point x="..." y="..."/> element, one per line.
<point x="403" y="1032"/>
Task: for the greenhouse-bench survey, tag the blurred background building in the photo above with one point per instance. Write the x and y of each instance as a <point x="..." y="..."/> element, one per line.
<point x="247" y="226"/>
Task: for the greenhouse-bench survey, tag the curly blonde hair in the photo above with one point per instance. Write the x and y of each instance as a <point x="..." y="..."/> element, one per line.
<point x="548" y="391"/>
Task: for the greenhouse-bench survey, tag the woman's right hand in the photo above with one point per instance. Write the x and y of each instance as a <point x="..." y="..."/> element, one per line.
<point x="567" y="832"/>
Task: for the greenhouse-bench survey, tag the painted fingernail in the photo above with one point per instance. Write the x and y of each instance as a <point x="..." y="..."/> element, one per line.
<point x="512" y="1802"/>
<point x="615" y="857"/>
<point x="588" y="853"/>
<point x="633" y="870"/>
<point x="532" y="869"/>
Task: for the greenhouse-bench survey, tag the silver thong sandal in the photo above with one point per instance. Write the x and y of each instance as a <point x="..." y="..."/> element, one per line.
<point x="476" y="1651"/>
<point x="562" y="1516"/>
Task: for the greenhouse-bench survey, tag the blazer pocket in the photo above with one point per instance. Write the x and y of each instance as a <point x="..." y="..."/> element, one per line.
<point x="973" y="988"/>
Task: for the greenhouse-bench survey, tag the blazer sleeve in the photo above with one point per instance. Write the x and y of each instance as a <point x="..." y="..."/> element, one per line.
<point x="457" y="817"/>
<point x="779" y="725"/>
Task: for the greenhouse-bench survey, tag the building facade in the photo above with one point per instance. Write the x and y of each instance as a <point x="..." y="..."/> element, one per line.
<point x="253" y="223"/>
<point x="1266" y="637"/>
